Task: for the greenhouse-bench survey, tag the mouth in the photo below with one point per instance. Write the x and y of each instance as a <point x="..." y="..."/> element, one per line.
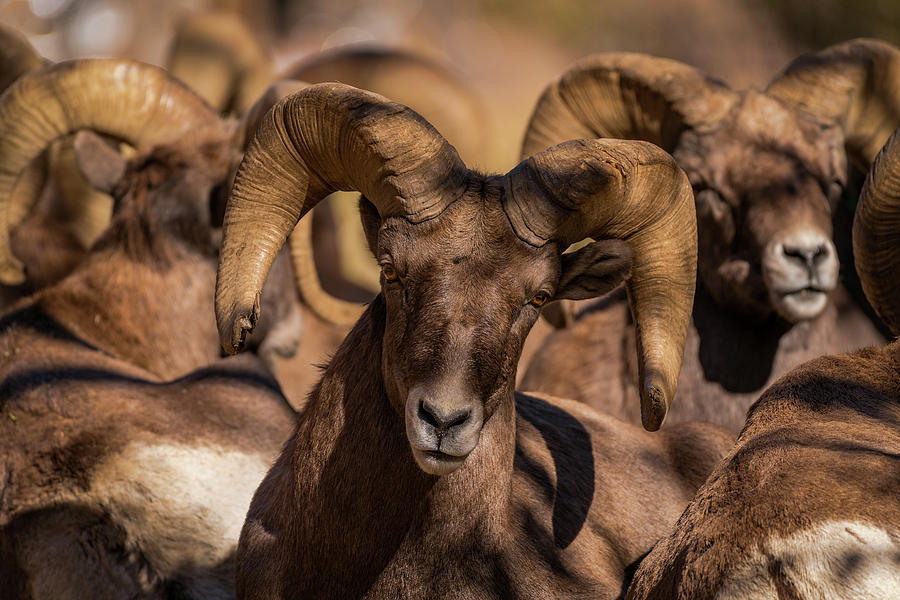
<point x="436" y="462"/>
<point x="801" y="304"/>
<point x="805" y="292"/>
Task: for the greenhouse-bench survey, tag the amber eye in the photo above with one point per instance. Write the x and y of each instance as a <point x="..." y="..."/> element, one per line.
<point x="389" y="272"/>
<point x="540" y="299"/>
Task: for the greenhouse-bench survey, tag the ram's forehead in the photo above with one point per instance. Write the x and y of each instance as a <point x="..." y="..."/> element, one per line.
<point x="762" y="140"/>
<point x="768" y="123"/>
<point x="475" y="225"/>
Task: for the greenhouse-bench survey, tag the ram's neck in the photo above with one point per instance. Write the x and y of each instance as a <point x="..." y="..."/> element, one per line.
<point x="159" y="318"/>
<point x="360" y="499"/>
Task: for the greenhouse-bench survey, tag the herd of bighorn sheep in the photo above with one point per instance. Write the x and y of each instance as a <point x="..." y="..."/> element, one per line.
<point x="143" y="215"/>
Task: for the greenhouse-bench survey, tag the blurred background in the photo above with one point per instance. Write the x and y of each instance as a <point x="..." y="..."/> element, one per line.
<point x="509" y="49"/>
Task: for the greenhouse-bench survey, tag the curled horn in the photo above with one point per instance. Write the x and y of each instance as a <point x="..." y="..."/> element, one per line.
<point x="135" y="102"/>
<point x="632" y="191"/>
<point x="626" y="96"/>
<point x="322" y="304"/>
<point x="855" y="84"/>
<point x="876" y="234"/>
<point x="325" y="138"/>
<point x="17" y="57"/>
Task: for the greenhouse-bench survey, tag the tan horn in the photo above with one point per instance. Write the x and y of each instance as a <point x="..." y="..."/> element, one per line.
<point x="309" y="287"/>
<point x="632" y="191"/>
<point x="17" y="57"/>
<point x="876" y="234"/>
<point x="626" y="96"/>
<point x="135" y="102"/>
<point x="327" y="137"/>
<point x="855" y="84"/>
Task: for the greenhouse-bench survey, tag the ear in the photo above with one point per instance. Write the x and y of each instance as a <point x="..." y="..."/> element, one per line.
<point x="371" y="221"/>
<point x="594" y="270"/>
<point x="101" y="165"/>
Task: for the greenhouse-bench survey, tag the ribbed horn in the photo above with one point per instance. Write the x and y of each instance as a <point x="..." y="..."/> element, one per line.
<point x="325" y="138"/>
<point x="632" y="191"/>
<point x="135" y="102"/>
<point x="876" y="234"/>
<point x="626" y="96"/>
<point x="17" y="57"/>
<point x="855" y="84"/>
<point x="309" y="287"/>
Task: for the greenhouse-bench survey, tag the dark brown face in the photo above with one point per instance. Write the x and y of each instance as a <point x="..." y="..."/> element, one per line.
<point x="462" y="291"/>
<point x="764" y="184"/>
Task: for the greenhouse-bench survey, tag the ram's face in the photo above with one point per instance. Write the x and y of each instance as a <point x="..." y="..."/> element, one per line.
<point x="462" y="292"/>
<point x="765" y="183"/>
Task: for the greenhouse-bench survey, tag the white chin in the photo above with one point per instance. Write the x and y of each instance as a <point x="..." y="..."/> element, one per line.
<point x="802" y="305"/>
<point x="435" y="463"/>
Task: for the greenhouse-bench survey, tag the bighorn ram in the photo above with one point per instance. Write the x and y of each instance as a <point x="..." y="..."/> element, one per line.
<point x="128" y="449"/>
<point x="415" y="471"/>
<point x="767" y="171"/>
<point x="806" y="505"/>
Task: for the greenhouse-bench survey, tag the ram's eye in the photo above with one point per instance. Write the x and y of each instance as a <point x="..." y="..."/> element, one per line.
<point x="540" y="299"/>
<point x="389" y="272"/>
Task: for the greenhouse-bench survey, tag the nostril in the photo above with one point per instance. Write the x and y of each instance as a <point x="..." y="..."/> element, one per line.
<point x="434" y="417"/>
<point x="820" y="253"/>
<point x="810" y="256"/>
<point x="800" y="254"/>
<point x="427" y="416"/>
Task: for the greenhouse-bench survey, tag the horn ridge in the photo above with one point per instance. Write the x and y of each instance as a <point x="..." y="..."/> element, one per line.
<point x="633" y="191"/>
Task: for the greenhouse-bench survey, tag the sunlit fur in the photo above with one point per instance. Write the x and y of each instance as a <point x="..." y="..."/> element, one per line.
<point x="805" y="505"/>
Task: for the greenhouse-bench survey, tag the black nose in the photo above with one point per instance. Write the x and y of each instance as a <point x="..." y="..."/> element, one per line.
<point x="809" y="256"/>
<point x="442" y="420"/>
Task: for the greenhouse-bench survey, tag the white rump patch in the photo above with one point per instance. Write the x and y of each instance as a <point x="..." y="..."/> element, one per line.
<point x="839" y="560"/>
<point x="182" y="505"/>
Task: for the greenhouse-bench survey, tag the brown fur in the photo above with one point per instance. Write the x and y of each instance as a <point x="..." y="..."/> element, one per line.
<point x="118" y="420"/>
<point x="820" y="446"/>
<point x="554" y="500"/>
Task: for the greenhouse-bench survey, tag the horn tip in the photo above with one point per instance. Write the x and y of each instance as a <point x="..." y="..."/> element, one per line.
<point x="242" y="322"/>
<point x="654" y="402"/>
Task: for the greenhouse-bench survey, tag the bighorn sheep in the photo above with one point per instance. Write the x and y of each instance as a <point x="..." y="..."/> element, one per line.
<point x="806" y="504"/>
<point x="414" y="470"/>
<point x="767" y="170"/>
<point x="128" y="449"/>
